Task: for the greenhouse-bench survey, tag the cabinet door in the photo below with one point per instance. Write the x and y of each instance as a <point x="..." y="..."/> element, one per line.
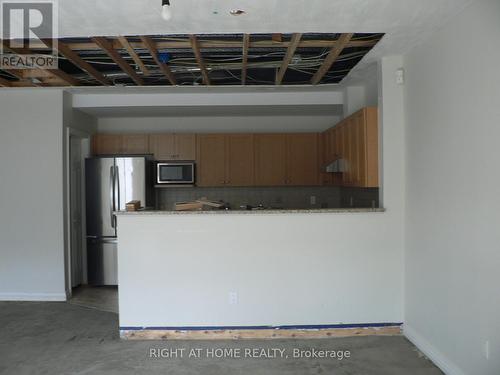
<point x="107" y="144"/>
<point x="240" y="160"/>
<point x="162" y="146"/>
<point x="185" y="146"/>
<point x="211" y="160"/>
<point x="135" y="144"/>
<point x="324" y="156"/>
<point x="359" y="153"/>
<point x="371" y="142"/>
<point x="270" y="159"/>
<point x="302" y="159"/>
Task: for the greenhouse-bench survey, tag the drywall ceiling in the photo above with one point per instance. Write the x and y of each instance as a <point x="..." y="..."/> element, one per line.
<point x="224" y="111"/>
<point x="405" y="22"/>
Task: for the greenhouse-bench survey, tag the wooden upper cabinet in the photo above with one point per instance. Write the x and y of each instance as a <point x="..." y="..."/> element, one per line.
<point x="185" y="146"/>
<point x="135" y="144"/>
<point x="270" y="159"/>
<point x="371" y="173"/>
<point x="302" y="159"/>
<point x="211" y="160"/>
<point x="355" y="139"/>
<point x="240" y="160"/>
<point x="120" y="144"/>
<point x="107" y="144"/>
<point x="173" y="146"/>
<point x="162" y="146"/>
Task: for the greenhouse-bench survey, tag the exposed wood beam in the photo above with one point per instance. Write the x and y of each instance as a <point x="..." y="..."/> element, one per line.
<point x="5" y="83"/>
<point x="207" y="44"/>
<point x="277" y="37"/>
<point x="288" y="57"/>
<point x="150" y="45"/>
<point x="24" y="83"/>
<point x="72" y="56"/>
<point x="107" y="47"/>
<point x="197" y="52"/>
<point x="131" y="51"/>
<point x="69" y="80"/>
<point x="246" y="43"/>
<point x="335" y="52"/>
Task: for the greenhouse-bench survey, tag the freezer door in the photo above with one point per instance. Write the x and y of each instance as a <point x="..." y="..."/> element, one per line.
<point x="102" y="261"/>
<point x="99" y="197"/>
<point x="130" y="181"/>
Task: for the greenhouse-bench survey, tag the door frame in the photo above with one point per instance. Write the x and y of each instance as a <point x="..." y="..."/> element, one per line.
<point x="85" y="152"/>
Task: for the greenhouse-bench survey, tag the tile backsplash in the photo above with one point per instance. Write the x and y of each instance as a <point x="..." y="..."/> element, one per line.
<point x="275" y="197"/>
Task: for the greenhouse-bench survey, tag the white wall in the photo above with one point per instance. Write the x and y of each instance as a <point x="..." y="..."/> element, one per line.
<point x="363" y="90"/>
<point x="453" y="203"/>
<point x="31" y="195"/>
<point x="218" y="124"/>
<point x="178" y="270"/>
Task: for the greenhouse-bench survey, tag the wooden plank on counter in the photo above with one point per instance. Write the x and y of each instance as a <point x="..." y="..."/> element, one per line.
<point x="247" y="334"/>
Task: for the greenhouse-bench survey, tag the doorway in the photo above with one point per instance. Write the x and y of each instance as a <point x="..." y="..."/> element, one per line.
<point x="77" y="149"/>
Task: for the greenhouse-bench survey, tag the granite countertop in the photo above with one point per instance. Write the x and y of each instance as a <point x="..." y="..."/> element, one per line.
<point x="254" y="212"/>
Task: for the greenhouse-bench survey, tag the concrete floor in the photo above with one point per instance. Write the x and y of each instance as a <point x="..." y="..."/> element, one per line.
<point x="96" y="297"/>
<point x="61" y="338"/>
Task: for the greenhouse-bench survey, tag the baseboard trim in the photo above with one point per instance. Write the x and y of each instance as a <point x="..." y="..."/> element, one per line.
<point x="434" y="354"/>
<point x="33" y="297"/>
<point x="258" y="332"/>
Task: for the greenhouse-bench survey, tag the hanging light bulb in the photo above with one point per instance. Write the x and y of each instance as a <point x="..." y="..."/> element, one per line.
<point x="166" y="11"/>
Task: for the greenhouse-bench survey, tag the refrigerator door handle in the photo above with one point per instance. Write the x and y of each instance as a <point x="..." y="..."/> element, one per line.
<point x="112" y="195"/>
<point x="117" y="176"/>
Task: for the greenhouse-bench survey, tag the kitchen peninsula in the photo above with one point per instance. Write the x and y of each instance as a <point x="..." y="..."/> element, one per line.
<point x="223" y="265"/>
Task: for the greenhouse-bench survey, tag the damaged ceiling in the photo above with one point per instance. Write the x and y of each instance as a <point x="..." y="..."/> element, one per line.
<point x="202" y="59"/>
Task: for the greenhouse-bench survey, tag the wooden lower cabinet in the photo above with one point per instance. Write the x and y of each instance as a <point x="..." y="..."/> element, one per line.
<point x="270" y="159"/>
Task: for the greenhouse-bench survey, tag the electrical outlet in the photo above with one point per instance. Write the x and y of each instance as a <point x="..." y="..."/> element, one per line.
<point x="313" y="200"/>
<point x="487" y="349"/>
<point x="233" y="298"/>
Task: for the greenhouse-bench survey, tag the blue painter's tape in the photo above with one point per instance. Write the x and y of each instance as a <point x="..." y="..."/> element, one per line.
<point x="285" y="327"/>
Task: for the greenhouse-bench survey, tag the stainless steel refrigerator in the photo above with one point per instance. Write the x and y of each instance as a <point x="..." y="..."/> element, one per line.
<point x="111" y="182"/>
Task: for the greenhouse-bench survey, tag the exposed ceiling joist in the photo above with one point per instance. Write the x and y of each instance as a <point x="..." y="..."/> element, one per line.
<point x="288" y="57"/>
<point x="5" y="83"/>
<point x="207" y="44"/>
<point x="72" y="56"/>
<point x="246" y="44"/>
<point x="199" y="58"/>
<point x="261" y="60"/>
<point x="277" y="37"/>
<point x="66" y="78"/>
<point x="150" y="45"/>
<point x="131" y="51"/>
<point x="334" y="54"/>
<point x="107" y="47"/>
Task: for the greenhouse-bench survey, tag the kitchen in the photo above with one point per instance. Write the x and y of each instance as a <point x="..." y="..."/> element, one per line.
<point x="194" y="171"/>
<point x="329" y="172"/>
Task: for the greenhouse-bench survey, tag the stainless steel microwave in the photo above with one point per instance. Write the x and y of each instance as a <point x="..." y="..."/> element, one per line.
<point x="175" y="173"/>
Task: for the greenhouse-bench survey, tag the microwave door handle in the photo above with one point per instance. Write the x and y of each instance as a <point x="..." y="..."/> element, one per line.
<point x="112" y="196"/>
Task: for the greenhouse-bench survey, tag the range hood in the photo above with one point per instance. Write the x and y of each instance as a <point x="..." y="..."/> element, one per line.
<point x="338" y="166"/>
